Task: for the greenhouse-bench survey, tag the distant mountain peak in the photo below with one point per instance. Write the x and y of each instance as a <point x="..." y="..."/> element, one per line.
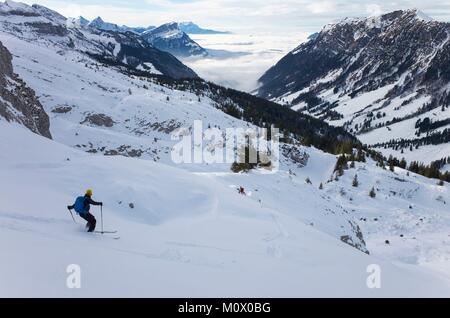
<point x="79" y="22"/>
<point x="192" y="28"/>
<point x="170" y="38"/>
<point x="100" y="24"/>
<point x="98" y="20"/>
<point x="168" y="30"/>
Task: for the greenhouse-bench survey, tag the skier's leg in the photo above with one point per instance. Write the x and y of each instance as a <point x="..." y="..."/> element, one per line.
<point x="86" y="218"/>
<point x="92" y="222"/>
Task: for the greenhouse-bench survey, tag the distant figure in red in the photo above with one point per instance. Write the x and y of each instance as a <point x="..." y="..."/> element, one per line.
<point x="241" y="190"/>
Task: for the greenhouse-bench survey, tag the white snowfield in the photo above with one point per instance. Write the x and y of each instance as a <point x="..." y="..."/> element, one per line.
<point x="188" y="235"/>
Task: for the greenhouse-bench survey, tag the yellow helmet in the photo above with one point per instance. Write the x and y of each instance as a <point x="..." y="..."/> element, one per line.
<point x="89" y="192"/>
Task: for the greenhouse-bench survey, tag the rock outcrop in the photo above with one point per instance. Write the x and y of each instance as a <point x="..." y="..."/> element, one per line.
<point x="18" y="102"/>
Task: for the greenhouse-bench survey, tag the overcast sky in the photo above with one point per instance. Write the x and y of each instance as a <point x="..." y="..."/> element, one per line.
<point x="235" y="15"/>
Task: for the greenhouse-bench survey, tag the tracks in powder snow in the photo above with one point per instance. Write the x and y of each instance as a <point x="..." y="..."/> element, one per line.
<point x="109" y="234"/>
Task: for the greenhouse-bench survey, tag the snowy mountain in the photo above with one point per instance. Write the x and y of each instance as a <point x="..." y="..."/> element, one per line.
<point x="138" y="30"/>
<point x="302" y="231"/>
<point x="192" y="28"/>
<point x="170" y="38"/>
<point x="186" y="27"/>
<point x="385" y="79"/>
<point x="100" y="24"/>
<point x="53" y="31"/>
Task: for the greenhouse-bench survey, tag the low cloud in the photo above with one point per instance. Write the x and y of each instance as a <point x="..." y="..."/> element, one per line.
<point x="318" y="7"/>
<point x="243" y="71"/>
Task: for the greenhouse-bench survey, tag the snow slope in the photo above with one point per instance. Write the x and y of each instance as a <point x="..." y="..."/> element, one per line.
<point x="188" y="235"/>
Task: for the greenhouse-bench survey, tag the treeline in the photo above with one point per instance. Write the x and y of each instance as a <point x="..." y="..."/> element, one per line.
<point x="427" y="124"/>
<point x="433" y="170"/>
<point x="443" y="101"/>
<point x="411" y="144"/>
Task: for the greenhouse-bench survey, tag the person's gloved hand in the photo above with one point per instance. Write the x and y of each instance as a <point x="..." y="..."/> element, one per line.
<point x="69" y="207"/>
<point x="101" y="203"/>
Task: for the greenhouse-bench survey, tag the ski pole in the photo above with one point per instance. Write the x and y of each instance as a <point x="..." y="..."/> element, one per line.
<point x="101" y="214"/>
<point x="72" y="216"/>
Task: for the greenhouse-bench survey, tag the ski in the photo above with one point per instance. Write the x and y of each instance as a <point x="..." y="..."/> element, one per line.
<point x="106" y="232"/>
<point x="109" y="236"/>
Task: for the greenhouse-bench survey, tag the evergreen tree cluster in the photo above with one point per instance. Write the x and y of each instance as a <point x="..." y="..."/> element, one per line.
<point x="342" y="161"/>
<point x="427" y="125"/>
<point x="433" y="170"/>
<point x="436" y="138"/>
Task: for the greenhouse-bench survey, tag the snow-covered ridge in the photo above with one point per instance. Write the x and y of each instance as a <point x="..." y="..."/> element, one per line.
<point x="12" y="7"/>
<point x="50" y="29"/>
<point x="168" y="37"/>
<point x="169" y="30"/>
<point x="376" y="21"/>
<point x="192" y="28"/>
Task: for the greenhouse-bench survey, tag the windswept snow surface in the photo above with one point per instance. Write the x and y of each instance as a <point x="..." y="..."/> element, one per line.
<point x="188" y="235"/>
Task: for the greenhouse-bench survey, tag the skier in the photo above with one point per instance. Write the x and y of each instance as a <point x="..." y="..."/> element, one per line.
<point x="241" y="190"/>
<point x="82" y="206"/>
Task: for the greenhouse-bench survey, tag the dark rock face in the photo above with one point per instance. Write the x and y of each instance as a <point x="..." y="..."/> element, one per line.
<point x="17" y="101"/>
<point x="366" y="54"/>
<point x="62" y="110"/>
<point x="356" y="239"/>
<point x="100" y="120"/>
<point x="48" y="29"/>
